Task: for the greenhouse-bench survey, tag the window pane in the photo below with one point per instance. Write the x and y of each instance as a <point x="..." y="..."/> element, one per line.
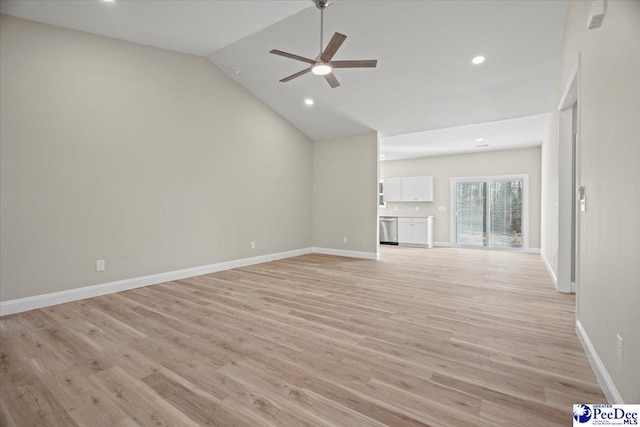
<point x="506" y="214"/>
<point x="471" y="197"/>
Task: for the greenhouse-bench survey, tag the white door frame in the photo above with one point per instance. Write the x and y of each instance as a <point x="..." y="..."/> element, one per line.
<point x="525" y="205"/>
<point x="568" y="182"/>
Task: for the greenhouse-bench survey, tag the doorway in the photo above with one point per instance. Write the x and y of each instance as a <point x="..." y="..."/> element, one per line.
<point x="490" y="211"/>
<point x="568" y="184"/>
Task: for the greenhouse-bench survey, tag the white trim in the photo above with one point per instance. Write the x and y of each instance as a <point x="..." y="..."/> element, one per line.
<point x="449" y="245"/>
<point x="604" y="379"/>
<point x="568" y="213"/>
<point x="414" y="245"/>
<point x="54" y="298"/>
<point x="484" y="248"/>
<point x="345" y="253"/>
<point x="562" y="105"/>
<point x="547" y="264"/>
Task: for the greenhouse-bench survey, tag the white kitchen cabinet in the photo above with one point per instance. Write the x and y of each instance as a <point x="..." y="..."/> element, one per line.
<point x="424" y="188"/>
<point x="415" y="231"/>
<point x="417" y="189"/>
<point x="392" y="189"/>
<point x="409" y="189"/>
<point x="410" y="233"/>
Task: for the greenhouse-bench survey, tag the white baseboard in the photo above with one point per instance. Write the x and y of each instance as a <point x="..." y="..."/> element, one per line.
<point x="414" y="245"/>
<point x="604" y="379"/>
<point x="46" y="300"/>
<point x="54" y="298"/>
<point x="451" y="245"/>
<point x="345" y="253"/>
<point x="554" y="279"/>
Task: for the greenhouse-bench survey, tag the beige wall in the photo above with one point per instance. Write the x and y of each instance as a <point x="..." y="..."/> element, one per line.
<point x="345" y="177"/>
<point x="443" y="168"/>
<point x="549" y="196"/>
<point x="149" y="159"/>
<point x="609" y="281"/>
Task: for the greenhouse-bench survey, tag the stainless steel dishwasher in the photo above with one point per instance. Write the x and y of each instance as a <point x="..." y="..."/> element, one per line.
<point x="389" y="230"/>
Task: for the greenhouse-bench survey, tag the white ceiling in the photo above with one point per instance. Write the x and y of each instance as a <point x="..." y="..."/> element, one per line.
<point x="190" y="26"/>
<point x="501" y="135"/>
<point x="424" y="79"/>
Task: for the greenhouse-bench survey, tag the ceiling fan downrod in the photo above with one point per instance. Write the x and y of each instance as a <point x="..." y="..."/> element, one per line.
<point x="321" y="30"/>
<point x="322" y="5"/>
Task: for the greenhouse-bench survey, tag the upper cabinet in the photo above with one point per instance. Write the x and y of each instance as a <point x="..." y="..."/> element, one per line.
<point x="409" y="189"/>
<point x="417" y="189"/>
<point x="392" y="189"/>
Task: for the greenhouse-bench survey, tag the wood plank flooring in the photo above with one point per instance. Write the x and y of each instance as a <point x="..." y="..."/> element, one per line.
<point x="437" y="337"/>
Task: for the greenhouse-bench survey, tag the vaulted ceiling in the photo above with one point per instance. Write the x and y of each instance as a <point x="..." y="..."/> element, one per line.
<point x="424" y="80"/>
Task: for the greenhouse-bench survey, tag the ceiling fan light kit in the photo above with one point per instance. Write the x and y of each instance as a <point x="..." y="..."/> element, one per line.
<point x="321" y="69"/>
<point x="323" y="64"/>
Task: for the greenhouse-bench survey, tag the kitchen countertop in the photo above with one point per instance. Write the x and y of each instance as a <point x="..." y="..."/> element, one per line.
<point x="417" y="214"/>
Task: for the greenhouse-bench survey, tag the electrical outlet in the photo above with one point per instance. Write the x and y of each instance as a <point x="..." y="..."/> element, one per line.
<point x="100" y="265"/>
<point x="619" y="348"/>
<point x="417" y="208"/>
<point x="442" y="208"/>
<point x="344" y="239"/>
<point x="253" y="245"/>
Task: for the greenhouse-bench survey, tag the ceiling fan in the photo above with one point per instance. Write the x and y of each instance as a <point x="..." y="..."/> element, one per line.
<point x="322" y="65"/>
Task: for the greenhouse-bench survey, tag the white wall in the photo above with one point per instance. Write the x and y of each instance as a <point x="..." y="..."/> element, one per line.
<point x="345" y="180"/>
<point x="149" y="159"/>
<point x="609" y="280"/>
<point x="443" y="168"/>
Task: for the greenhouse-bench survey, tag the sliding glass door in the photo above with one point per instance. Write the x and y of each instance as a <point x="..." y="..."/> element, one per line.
<point x="471" y="213"/>
<point x="490" y="211"/>
<point x="505" y="210"/>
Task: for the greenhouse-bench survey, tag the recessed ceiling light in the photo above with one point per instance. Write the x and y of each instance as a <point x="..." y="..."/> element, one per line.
<point x="308" y="101"/>
<point x="382" y="155"/>
<point x="478" y="60"/>
<point x="109" y="1"/>
<point x="479" y="139"/>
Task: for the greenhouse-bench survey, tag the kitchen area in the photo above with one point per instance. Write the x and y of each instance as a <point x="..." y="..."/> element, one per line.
<point x="402" y="221"/>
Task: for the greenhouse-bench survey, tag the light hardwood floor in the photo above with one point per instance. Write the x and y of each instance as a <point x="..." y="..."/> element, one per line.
<point x="437" y="337"/>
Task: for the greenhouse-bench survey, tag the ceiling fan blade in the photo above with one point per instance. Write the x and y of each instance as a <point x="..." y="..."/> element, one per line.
<point x="331" y="79"/>
<point x="363" y="63"/>
<point x="292" y="56"/>
<point x="332" y="47"/>
<point x="298" y="74"/>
